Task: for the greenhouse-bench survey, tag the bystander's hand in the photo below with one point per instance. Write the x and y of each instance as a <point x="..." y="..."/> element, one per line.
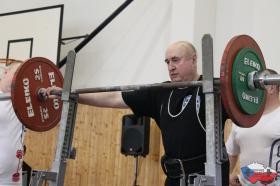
<point x="234" y="180"/>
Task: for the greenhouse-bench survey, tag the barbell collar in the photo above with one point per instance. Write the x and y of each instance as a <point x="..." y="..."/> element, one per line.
<point x="272" y="79"/>
<point x="261" y="79"/>
<point x="250" y="80"/>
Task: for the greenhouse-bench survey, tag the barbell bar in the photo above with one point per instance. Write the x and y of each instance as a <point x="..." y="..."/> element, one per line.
<point x="5" y="96"/>
<point x="257" y="81"/>
<point x="265" y="78"/>
<point x="139" y="87"/>
<point x="168" y="85"/>
<point x="242" y="82"/>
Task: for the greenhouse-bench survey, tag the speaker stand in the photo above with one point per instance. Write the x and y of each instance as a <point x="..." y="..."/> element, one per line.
<point x="136" y="171"/>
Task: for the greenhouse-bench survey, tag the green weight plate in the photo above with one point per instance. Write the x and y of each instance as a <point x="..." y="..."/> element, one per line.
<point x="246" y="61"/>
<point x="228" y="87"/>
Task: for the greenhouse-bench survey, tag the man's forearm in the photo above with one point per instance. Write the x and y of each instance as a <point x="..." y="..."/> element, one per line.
<point x="104" y="99"/>
<point x="232" y="161"/>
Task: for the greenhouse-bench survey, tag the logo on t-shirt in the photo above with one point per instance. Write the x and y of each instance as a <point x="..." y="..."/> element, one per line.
<point x="186" y="101"/>
<point x="257" y="172"/>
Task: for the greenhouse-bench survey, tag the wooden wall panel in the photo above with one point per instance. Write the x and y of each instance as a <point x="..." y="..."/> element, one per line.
<point x="226" y="135"/>
<point x="98" y="161"/>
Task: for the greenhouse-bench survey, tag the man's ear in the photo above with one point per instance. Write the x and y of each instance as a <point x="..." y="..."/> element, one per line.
<point x="194" y="58"/>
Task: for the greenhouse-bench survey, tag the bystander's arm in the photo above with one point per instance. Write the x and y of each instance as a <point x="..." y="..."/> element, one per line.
<point x="233" y="178"/>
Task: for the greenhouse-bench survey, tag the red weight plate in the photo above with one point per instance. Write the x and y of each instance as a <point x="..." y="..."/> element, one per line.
<point x="235" y="113"/>
<point x="35" y="114"/>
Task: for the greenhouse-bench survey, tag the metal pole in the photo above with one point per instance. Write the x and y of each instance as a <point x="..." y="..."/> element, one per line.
<point x="5" y="96"/>
<point x="135" y="171"/>
<point x="137" y="87"/>
<point x="272" y="79"/>
<point x="208" y="90"/>
<point x="61" y="155"/>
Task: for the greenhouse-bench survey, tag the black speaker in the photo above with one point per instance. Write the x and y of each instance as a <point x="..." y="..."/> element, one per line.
<point x="135" y="135"/>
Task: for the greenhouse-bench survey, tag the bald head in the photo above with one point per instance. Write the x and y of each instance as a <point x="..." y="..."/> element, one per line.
<point x="186" y="47"/>
<point x="181" y="59"/>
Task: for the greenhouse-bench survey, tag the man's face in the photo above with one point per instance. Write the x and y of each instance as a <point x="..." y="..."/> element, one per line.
<point x="181" y="66"/>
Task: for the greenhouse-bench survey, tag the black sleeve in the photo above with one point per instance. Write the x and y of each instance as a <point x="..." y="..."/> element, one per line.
<point x="142" y="102"/>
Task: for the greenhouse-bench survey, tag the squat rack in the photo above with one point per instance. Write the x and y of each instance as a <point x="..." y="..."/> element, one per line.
<point x="214" y="136"/>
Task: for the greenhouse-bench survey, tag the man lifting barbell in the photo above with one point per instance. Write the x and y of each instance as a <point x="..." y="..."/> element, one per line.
<point x="179" y="113"/>
<point x="11" y="134"/>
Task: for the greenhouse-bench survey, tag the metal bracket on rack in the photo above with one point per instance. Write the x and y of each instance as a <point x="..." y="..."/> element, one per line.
<point x="64" y="149"/>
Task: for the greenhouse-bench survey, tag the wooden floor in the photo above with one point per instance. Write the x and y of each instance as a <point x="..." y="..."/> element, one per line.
<point x="98" y="161"/>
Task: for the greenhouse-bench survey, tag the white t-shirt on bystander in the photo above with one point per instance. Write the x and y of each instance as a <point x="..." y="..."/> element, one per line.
<point x="11" y="145"/>
<point x="258" y="145"/>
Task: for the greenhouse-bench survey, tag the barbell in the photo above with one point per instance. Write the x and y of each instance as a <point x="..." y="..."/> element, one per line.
<point x="243" y="77"/>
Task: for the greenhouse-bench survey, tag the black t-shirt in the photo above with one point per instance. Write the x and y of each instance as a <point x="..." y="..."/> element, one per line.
<point x="180" y="115"/>
<point x="176" y="113"/>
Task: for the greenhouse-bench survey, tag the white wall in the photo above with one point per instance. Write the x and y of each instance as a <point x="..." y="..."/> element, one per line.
<point x="205" y="21"/>
<point x="131" y="49"/>
<point x="26" y="40"/>
<point x="256" y="18"/>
